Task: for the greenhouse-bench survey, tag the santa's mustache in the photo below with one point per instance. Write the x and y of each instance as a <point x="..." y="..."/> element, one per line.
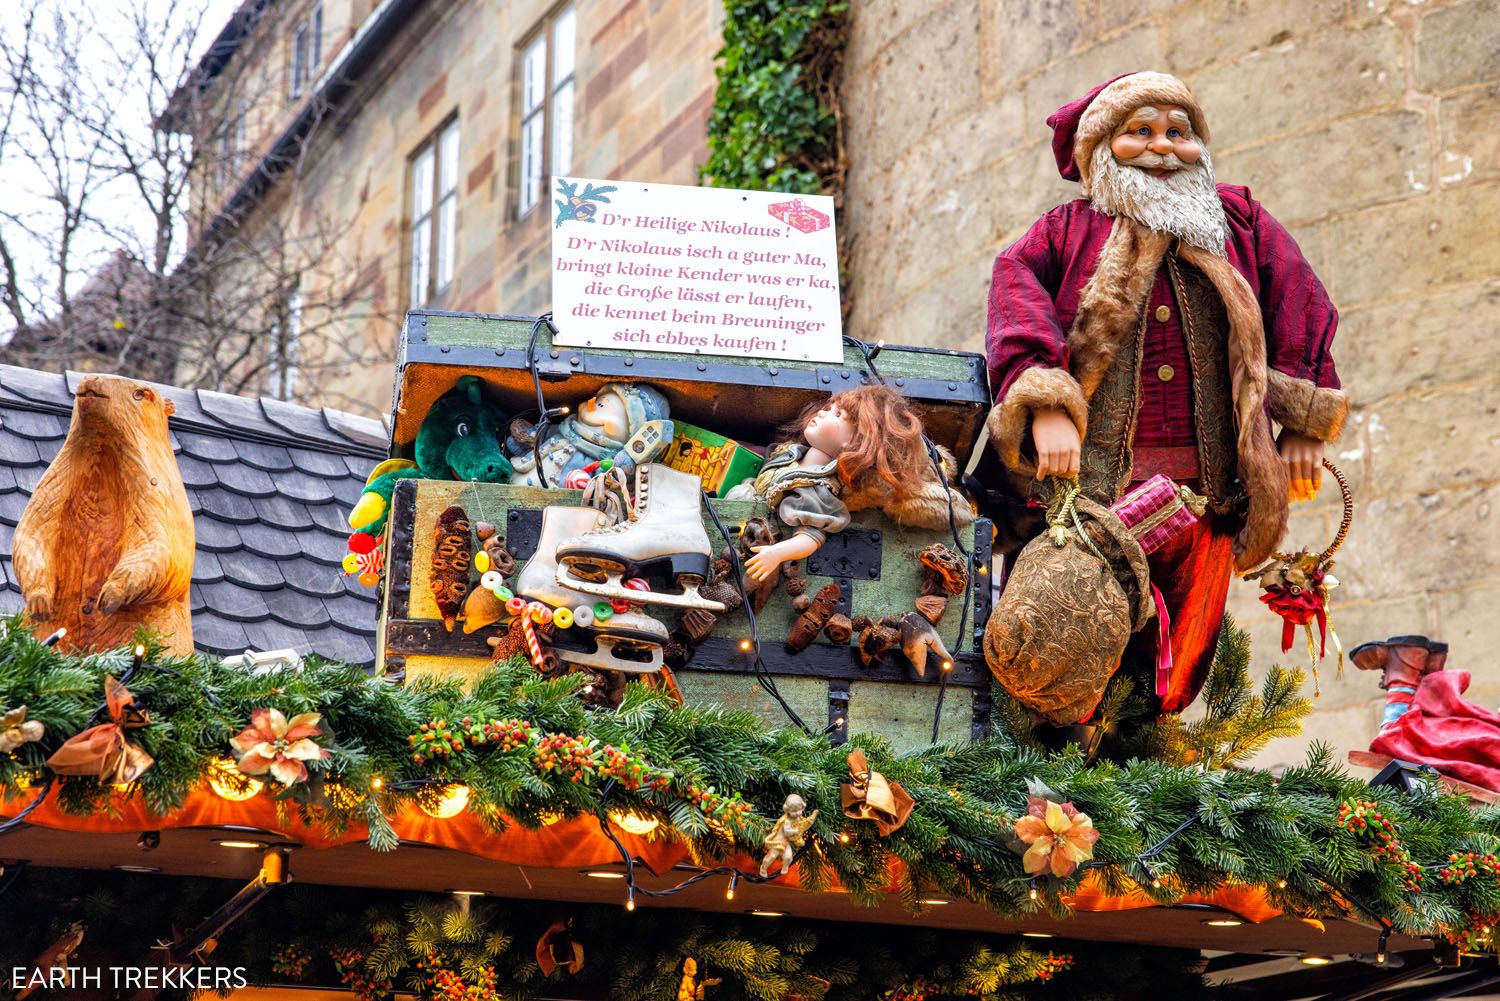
<point x="1157" y="161"/>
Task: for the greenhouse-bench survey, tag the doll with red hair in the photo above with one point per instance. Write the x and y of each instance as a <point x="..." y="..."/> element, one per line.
<point x="859" y="449"/>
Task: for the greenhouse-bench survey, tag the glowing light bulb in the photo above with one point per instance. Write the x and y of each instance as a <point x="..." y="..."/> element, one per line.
<point x="377" y="783"/>
<point x="228" y="782"/>
<point x="452" y="801"/>
<point x="745" y="644"/>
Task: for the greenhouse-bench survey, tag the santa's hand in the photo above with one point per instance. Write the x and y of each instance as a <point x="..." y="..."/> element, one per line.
<point x="1303" y="458"/>
<point x="1057" y="443"/>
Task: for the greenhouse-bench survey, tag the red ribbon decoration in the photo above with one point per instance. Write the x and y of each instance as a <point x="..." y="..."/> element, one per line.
<point x="1298" y="610"/>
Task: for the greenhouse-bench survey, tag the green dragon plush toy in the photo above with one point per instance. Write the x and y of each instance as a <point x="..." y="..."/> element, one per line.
<point x="460" y="439"/>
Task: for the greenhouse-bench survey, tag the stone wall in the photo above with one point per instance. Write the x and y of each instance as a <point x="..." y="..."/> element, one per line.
<point x="1366" y="126"/>
<point x="645" y="82"/>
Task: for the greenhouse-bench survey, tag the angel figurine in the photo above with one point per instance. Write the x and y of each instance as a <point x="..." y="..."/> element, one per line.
<point x="859" y="449"/>
<point x="789" y="834"/>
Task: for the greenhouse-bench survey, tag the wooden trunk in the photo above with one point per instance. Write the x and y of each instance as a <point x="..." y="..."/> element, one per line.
<point x="874" y="561"/>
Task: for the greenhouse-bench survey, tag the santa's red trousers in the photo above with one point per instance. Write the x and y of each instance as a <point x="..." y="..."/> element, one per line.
<point x="1192" y="571"/>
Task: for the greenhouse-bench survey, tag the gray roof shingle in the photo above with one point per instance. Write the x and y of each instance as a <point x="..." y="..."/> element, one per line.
<point x="270" y="485"/>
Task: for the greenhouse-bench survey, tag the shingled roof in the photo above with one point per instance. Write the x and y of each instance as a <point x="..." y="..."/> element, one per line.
<point x="270" y="484"/>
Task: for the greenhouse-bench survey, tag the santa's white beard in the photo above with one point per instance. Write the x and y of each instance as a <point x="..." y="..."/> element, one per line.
<point x="1184" y="203"/>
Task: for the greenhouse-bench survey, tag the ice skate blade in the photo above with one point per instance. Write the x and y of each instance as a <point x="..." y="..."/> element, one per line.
<point x="612" y="588"/>
<point x="607" y="658"/>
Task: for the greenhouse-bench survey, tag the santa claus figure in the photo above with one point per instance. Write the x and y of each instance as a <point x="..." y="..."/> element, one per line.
<point x="1160" y="324"/>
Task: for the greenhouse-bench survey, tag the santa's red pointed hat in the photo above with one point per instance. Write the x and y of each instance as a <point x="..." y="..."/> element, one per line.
<point x="1079" y="126"/>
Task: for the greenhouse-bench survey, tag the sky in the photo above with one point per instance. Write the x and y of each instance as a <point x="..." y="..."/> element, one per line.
<point x="26" y="189"/>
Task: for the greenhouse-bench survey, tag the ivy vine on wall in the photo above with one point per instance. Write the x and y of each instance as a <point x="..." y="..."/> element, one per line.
<point x="776" y="124"/>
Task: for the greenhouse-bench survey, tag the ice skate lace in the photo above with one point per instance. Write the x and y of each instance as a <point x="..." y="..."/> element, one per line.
<point x="609" y="494"/>
<point x="619" y="510"/>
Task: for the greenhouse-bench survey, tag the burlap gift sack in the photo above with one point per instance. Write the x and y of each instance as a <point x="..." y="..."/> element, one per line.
<point x="1074" y="597"/>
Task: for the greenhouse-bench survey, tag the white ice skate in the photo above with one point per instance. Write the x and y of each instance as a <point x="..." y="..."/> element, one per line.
<point x="607" y="640"/>
<point x="662" y="536"/>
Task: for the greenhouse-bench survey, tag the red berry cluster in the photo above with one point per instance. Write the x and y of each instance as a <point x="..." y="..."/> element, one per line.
<point x="350" y="965"/>
<point x="435" y="740"/>
<point x="574" y="757"/>
<point x="1476" y="934"/>
<point x="1363" y="819"/>
<point x="290" y="961"/>
<point x="449" y="986"/>
<point x="716" y="804"/>
<point x="509" y="734"/>
<point x="1053" y="965"/>
<point x="1463" y="866"/>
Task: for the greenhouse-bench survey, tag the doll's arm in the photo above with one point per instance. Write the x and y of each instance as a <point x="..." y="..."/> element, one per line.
<point x="768" y="558"/>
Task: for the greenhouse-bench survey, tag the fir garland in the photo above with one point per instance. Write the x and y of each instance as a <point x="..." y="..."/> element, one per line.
<point x="1167" y="828"/>
<point x="374" y="942"/>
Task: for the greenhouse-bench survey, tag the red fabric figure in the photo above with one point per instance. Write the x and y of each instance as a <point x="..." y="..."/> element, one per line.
<point x="1169" y="319"/>
<point x="1447" y="732"/>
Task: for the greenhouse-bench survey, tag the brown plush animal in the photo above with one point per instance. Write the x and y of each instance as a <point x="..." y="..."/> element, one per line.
<point x="106" y="543"/>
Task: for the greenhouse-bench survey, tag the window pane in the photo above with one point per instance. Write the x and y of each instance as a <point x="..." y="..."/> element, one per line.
<point x="534" y="76"/>
<point x="299" y="60"/>
<point x="317" y="36"/>
<point x="564" y="41"/>
<point x="421" y="250"/>
<point x="531" y="162"/>
<point x="447" y="227"/>
<point x="421" y="184"/>
<point x="448" y="160"/>
<point x="562" y="129"/>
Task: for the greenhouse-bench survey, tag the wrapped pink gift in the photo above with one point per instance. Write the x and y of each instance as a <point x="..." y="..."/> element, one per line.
<point x="800" y="215"/>
<point x="1157" y="510"/>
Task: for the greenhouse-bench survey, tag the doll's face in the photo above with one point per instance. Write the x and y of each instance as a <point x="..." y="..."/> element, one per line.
<point x="794" y="806"/>
<point x="829" y="430"/>
<point x="1157" y="139"/>
<point x="606" y="412"/>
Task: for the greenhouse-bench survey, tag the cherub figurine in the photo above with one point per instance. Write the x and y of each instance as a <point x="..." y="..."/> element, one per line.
<point x="860" y="449"/>
<point x="789" y="834"/>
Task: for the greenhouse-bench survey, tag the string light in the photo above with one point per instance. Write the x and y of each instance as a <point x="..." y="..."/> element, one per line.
<point x="843" y="837"/>
<point x="1032" y="892"/>
<point x="634" y="823"/>
<point x="947" y="665"/>
<point x="1281" y="884"/>
<point x="377" y="783"/>
<point x="734" y="880"/>
<point x="745" y="644"/>
<point x="228" y="782"/>
<point x="140" y="657"/>
<point x="450" y="802"/>
<point x="55" y="638"/>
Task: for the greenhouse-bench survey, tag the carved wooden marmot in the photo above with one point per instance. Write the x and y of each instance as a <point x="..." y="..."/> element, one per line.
<point x="106" y="543"/>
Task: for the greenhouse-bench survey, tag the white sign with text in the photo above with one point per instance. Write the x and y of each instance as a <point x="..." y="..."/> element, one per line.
<point x="663" y="267"/>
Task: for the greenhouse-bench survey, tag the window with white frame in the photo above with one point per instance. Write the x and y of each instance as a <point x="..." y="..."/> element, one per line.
<point x="548" y="95"/>
<point x="238" y="164"/>
<point x="434" y="214"/>
<point x="299" y="59"/>
<point x="315" y="26"/>
<point x="286" y="333"/>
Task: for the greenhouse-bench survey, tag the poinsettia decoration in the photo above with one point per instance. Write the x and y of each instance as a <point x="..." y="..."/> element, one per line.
<point x="272" y="743"/>
<point x="1056" y="835"/>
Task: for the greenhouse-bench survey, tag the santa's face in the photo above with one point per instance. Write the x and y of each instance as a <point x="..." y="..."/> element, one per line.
<point x="1155" y="171"/>
<point x="1157" y="139"/>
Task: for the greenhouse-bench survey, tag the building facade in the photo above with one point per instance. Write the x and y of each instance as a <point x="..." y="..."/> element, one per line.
<point x="399" y="154"/>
